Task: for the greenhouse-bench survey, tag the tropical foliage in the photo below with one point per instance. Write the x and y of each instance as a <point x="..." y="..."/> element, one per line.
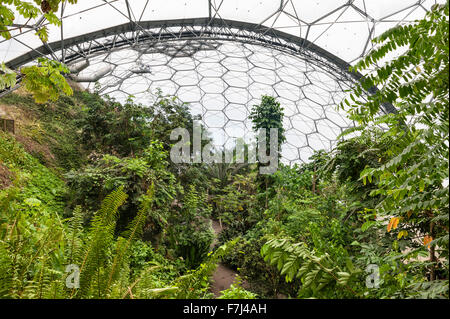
<point x="91" y="206"/>
<point x="46" y="79"/>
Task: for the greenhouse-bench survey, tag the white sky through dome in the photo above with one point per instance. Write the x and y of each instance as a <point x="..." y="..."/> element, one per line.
<point x="223" y="81"/>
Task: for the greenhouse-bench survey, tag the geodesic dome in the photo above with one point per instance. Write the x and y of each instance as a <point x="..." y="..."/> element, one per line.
<point x="221" y="56"/>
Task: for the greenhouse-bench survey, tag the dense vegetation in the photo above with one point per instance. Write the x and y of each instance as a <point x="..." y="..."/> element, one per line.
<point x="87" y="181"/>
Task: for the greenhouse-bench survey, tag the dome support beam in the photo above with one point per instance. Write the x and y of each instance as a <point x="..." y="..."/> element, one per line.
<point x="148" y="32"/>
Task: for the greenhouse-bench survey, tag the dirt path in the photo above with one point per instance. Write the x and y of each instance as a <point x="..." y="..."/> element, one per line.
<point x="217" y="229"/>
<point x="223" y="277"/>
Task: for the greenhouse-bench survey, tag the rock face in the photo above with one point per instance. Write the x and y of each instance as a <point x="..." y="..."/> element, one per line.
<point x="4" y="111"/>
<point x="19" y="123"/>
<point x="5" y="177"/>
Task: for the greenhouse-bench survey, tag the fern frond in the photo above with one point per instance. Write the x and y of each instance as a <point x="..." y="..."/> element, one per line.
<point x="134" y="230"/>
<point x="296" y="261"/>
<point x="74" y="236"/>
<point x="100" y="238"/>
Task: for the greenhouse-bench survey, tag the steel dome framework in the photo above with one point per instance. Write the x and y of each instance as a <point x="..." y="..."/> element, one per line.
<point x="221" y="66"/>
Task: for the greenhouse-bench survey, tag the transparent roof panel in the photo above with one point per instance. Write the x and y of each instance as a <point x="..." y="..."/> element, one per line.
<point x="341" y="26"/>
<point x="222" y="55"/>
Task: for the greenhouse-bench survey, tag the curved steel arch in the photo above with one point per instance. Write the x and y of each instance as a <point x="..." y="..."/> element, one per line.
<point x="134" y="33"/>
